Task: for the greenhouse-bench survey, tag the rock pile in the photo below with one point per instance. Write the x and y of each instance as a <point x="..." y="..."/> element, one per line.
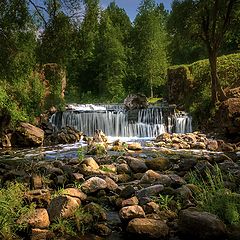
<point x="152" y="196"/>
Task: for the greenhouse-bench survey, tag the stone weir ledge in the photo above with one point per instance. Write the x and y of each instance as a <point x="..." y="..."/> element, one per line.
<point x="144" y="191"/>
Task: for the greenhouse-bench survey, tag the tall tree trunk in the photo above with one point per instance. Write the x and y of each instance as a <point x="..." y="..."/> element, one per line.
<point x="213" y="66"/>
<point x="217" y="91"/>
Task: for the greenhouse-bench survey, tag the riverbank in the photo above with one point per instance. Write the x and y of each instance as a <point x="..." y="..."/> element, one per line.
<point x="145" y="190"/>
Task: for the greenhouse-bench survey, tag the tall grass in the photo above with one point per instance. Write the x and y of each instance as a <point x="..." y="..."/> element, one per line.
<point x="11" y="208"/>
<point x="213" y="197"/>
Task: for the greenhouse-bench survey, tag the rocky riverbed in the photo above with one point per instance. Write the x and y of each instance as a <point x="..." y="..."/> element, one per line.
<point x="120" y="190"/>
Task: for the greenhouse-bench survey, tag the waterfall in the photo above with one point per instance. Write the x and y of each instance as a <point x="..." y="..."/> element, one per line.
<point x="115" y="121"/>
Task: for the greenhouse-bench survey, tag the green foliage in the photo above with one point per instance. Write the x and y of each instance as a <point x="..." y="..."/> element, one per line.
<point x="149" y="42"/>
<point x="63" y="227"/>
<point x="80" y="153"/>
<point x="196" y="92"/>
<point x="80" y="223"/>
<point x="213" y="197"/>
<point x="164" y="201"/>
<point x="112" y="60"/>
<point x="11" y="208"/>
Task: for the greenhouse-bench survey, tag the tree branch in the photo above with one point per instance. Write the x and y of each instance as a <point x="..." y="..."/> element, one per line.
<point x="39" y="13"/>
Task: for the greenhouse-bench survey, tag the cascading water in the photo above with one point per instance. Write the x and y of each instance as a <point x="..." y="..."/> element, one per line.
<point x="115" y="121"/>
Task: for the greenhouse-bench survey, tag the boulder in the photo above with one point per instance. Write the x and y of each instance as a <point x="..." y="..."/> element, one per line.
<point x="135" y="101"/>
<point x="150" y="191"/>
<point x="130" y="201"/>
<point x="91" y="163"/>
<point x="149" y="228"/>
<point x="151" y="176"/>
<point x="229" y="116"/>
<point x="38" y="218"/>
<point x="212" y="145"/>
<point x="135" y="146"/>
<point x="201" y="225"/>
<point x="42" y="234"/>
<point x="158" y="164"/>
<point x="63" y="207"/>
<point x="93" y="184"/>
<point x="74" y="192"/>
<point x="137" y="165"/>
<point x="27" y="135"/>
<point x="130" y="212"/>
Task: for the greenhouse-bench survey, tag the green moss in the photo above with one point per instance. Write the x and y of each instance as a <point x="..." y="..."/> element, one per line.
<point x="194" y="84"/>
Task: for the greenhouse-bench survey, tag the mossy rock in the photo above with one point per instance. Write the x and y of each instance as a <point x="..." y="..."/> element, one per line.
<point x="158" y="164"/>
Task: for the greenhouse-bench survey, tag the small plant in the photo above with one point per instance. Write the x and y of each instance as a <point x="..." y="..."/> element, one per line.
<point x="80" y="154"/>
<point x="83" y="220"/>
<point x="63" y="227"/>
<point x="163" y="201"/>
<point x="57" y="193"/>
<point x="107" y="169"/>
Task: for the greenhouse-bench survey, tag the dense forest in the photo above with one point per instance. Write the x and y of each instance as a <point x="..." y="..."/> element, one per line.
<point x="104" y="55"/>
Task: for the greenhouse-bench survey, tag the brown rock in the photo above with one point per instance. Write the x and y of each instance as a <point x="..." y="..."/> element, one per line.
<point x="75" y="192"/>
<point x="36" y="182"/>
<point x="38" y="218"/>
<point x="130" y="212"/>
<point x="212" y="145"/>
<point x="91" y="163"/>
<point x="229" y="110"/>
<point x="63" y="206"/>
<point x="130" y="201"/>
<point x="41" y="197"/>
<point x="135" y="146"/>
<point x="93" y="184"/>
<point x="28" y="135"/>
<point x="136" y="164"/>
<point x="150" y="228"/>
<point x="156" y="164"/>
<point x="41" y="234"/>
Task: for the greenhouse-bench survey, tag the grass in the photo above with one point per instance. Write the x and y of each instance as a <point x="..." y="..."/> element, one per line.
<point x="212" y="196"/>
<point x="11" y="208"/>
<point x="80" y="223"/>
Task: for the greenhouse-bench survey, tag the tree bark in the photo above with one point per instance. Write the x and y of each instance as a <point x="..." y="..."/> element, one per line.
<point x="217" y="92"/>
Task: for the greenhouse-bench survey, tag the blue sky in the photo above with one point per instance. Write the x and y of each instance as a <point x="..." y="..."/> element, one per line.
<point x="131" y="6"/>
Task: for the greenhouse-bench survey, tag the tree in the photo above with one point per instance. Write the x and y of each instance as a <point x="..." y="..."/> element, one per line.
<point x="87" y="37"/>
<point x="209" y="21"/>
<point x="55" y="46"/>
<point x="149" y="47"/>
<point x="111" y="59"/>
<point x="17" y="60"/>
